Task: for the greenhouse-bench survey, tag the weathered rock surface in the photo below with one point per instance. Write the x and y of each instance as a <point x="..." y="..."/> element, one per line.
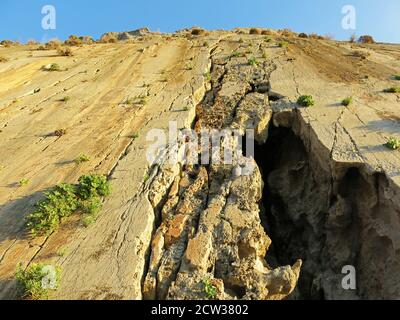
<point x="331" y="187"/>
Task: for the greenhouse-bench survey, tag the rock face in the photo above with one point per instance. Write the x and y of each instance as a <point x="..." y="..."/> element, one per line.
<point x="321" y="192"/>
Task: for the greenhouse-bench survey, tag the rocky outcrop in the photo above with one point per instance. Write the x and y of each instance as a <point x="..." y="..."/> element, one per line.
<point x="211" y="228"/>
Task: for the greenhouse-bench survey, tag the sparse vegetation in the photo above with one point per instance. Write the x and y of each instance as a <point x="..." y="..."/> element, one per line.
<point x="255" y="31"/>
<point x="366" y="39"/>
<point x="32" y="42"/>
<point x="67" y="199"/>
<point x="205" y="44"/>
<point x="207" y="76"/>
<point x="267" y="39"/>
<point x="73" y="40"/>
<point x="66" y="52"/>
<point x="252" y="61"/>
<point x="392" y="90"/>
<point x="393" y="143"/>
<point x="52" y="45"/>
<point x="361" y="54"/>
<point x="198" y="32"/>
<point x="82" y="158"/>
<point x="23" y="182"/>
<point x="396" y="77"/>
<point x="306" y="101"/>
<point x="209" y="289"/>
<point x="65" y="99"/>
<point x="283" y="44"/>
<point x="51" y="67"/>
<point x="135" y="136"/>
<point x="146" y="177"/>
<point x="60" y="132"/>
<point x="3" y="59"/>
<point x="303" y="35"/>
<point x="235" y="54"/>
<point x="138" y="100"/>
<point x="347" y="101"/>
<point x="37" y="280"/>
<point x="189" y="66"/>
<point x="62" y="251"/>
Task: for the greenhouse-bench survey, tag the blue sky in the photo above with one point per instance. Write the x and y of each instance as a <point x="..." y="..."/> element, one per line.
<point x="21" y="19"/>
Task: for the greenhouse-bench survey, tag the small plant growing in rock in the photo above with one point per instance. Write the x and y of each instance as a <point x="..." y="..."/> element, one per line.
<point x="62" y="251"/>
<point x="82" y="158"/>
<point x="347" y="101"/>
<point x="65" y="99"/>
<point x="146" y="177"/>
<point x="2" y="59"/>
<point x="189" y="66"/>
<point x="396" y="77"/>
<point x="205" y="44"/>
<point x="67" y="199"/>
<point x="267" y="39"/>
<point x="393" y="143"/>
<point x="252" y="61"/>
<point x="392" y="90"/>
<point x="60" y="132"/>
<point x="209" y="289"/>
<point x="37" y="280"/>
<point x="52" y="67"/>
<point x="235" y="54"/>
<point x="241" y="40"/>
<point x="283" y="44"/>
<point x="23" y="182"/>
<point x="207" y="76"/>
<point x="306" y="101"/>
<point x="135" y="136"/>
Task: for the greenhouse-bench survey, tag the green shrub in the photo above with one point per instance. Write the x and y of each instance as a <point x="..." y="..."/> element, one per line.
<point x="93" y="185"/>
<point x="23" y="182"/>
<point x="283" y="44"/>
<point x="347" y="101"/>
<point x="207" y="76"/>
<point x="235" y="54"/>
<point x="32" y="281"/>
<point x="393" y="143"/>
<point x="209" y="289"/>
<point x="52" y="67"/>
<point x="397" y="76"/>
<point x="252" y="61"/>
<point x="82" y="158"/>
<point x="67" y="199"/>
<point x="392" y="90"/>
<point x="306" y="101"/>
<point x="65" y="99"/>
